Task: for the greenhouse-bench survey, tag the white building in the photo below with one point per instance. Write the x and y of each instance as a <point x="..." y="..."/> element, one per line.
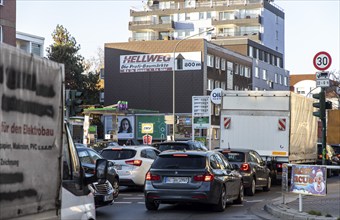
<point x="30" y="43"/>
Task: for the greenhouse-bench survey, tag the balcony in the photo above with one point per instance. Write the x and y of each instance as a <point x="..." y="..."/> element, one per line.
<point x="253" y="35"/>
<point x="151" y="25"/>
<point x="236" y="20"/>
<point x="196" y="6"/>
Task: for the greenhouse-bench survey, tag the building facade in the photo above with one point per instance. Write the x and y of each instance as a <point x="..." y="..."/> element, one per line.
<point x="259" y="20"/>
<point x="8" y="21"/>
<point x="30" y="43"/>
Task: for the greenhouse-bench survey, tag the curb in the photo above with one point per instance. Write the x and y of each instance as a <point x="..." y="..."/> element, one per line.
<point x="284" y="212"/>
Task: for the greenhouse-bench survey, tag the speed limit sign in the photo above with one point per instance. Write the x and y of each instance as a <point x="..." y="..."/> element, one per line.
<point x="322" y="61"/>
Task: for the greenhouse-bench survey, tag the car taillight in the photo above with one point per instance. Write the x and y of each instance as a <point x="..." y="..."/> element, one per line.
<point x="204" y="178"/>
<point x="152" y="177"/>
<point x="320" y="156"/>
<point x="245" y="167"/>
<point x="134" y="162"/>
<point x="278" y="165"/>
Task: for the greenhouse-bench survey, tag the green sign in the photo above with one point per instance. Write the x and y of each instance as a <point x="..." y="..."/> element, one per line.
<point x="93" y="129"/>
<point x="159" y="126"/>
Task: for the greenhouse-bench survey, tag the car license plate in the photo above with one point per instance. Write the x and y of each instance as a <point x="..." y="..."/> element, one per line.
<point x="108" y="198"/>
<point x="176" y="179"/>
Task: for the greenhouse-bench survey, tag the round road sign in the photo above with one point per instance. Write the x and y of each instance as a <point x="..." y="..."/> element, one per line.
<point x="322" y="61"/>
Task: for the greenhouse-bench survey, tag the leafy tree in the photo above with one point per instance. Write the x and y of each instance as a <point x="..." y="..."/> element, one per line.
<point x="65" y="50"/>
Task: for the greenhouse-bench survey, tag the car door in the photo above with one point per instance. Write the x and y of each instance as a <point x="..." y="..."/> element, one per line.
<point x="260" y="167"/>
<point x="232" y="179"/>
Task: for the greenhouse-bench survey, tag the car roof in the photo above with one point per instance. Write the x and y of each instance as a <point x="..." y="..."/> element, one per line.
<point x="189" y="152"/>
<point x="235" y="149"/>
<point x="135" y="147"/>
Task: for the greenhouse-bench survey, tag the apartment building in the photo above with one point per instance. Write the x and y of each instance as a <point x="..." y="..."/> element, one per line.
<point x="254" y="28"/>
<point x="7" y="21"/>
<point x="259" y="20"/>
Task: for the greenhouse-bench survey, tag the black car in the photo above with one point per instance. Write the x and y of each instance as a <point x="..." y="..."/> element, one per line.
<point x="192" y="176"/>
<point x="253" y="169"/>
<point x="179" y="145"/>
<point x="104" y="193"/>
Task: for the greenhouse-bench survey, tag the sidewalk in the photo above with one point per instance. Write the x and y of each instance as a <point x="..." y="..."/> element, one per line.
<point x="327" y="205"/>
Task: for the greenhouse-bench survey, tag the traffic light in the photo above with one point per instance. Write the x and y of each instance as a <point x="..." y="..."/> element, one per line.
<point x="320" y="105"/>
<point x="76" y="102"/>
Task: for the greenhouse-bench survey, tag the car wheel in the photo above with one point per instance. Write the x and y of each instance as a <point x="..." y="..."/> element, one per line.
<point x="115" y="185"/>
<point x="250" y="191"/>
<point x="222" y="202"/>
<point x="151" y="205"/>
<point x="240" y="197"/>
<point x="269" y="184"/>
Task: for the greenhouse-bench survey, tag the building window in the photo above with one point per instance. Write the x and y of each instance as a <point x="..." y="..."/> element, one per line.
<point x="247" y="72"/>
<point x="236" y="69"/>
<point x="217" y="84"/>
<point x="230" y="68"/>
<point x="187" y="16"/>
<point x="280" y="79"/>
<point x="276" y="35"/>
<point x="208" y="15"/>
<point x="241" y="70"/>
<point x="257" y="72"/>
<point x="217" y="63"/>
<point x="222" y="64"/>
<point x="264" y="74"/>
<point x="256" y="88"/>
<point x="275" y="78"/>
<point x="36" y="49"/>
<point x="201" y="15"/>
<point x="223" y="85"/>
<point x="236" y="87"/>
<point x="285" y="81"/>
<point x="210" y="84"/>
<point x="250" y="52"/>
<point x="1" y="2"/>
<point x="210" y="60"/>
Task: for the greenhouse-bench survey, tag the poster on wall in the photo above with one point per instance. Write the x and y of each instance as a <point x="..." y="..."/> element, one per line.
<point x="159" y="62"/>
<point x="126" y="126"/>
<point x="309" y="180"/>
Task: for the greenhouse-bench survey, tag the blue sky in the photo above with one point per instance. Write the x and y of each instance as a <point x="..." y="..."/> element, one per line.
<point x="310" y="26"/>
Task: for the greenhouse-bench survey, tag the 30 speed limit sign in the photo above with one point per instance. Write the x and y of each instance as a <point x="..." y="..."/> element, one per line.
<point x="322" y="61"/>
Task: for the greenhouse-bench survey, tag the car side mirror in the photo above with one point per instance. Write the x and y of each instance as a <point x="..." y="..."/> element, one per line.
<point x="101" y="170"/>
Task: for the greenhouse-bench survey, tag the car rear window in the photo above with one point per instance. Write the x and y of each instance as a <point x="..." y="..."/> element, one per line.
<point x="164" y="147"/>
<point x="234" y="156"/>
<point x="118" y="154"/>
<point x="179" y="162"/>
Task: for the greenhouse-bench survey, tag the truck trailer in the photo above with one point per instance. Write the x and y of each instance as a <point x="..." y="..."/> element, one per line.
<point x="279" y="125"/>
<point x="41" y="174"/>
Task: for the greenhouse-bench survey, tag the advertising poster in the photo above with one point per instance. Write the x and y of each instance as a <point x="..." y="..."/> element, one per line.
<point x="126" y="127"/>
<point x="159" y="127"/>
<point x="309" y="180"/>
<point x="159" y="62"/>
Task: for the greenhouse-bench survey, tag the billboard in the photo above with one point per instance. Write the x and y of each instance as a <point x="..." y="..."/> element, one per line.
<point x="126" y="127"/>
<point x="158" y="126"/>
<point x="160" y="62"/>
<point x="309" y="180"/>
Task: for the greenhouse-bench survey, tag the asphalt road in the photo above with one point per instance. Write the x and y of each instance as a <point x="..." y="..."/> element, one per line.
<point x="130" y="205"/>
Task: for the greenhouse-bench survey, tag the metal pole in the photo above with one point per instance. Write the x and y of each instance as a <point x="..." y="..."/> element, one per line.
<point x="173" y="79"/>
<point x="323" y="120"/>
<point x="300" y="202"/>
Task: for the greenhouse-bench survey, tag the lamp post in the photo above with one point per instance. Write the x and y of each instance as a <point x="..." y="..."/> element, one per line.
<point x="173" y="78"/>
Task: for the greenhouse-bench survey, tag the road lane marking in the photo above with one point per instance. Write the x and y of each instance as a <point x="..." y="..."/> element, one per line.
<point x="134" y="198"/>
<point x="122" y="202"/>
<point x="255" y="200"/>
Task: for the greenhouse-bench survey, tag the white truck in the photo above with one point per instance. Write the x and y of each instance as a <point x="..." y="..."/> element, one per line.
<point x="41" y="175"/>
<point x="279" y="125"/>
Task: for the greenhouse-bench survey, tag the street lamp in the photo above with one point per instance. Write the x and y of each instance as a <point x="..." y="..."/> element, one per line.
<point x="173" y="77"/>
